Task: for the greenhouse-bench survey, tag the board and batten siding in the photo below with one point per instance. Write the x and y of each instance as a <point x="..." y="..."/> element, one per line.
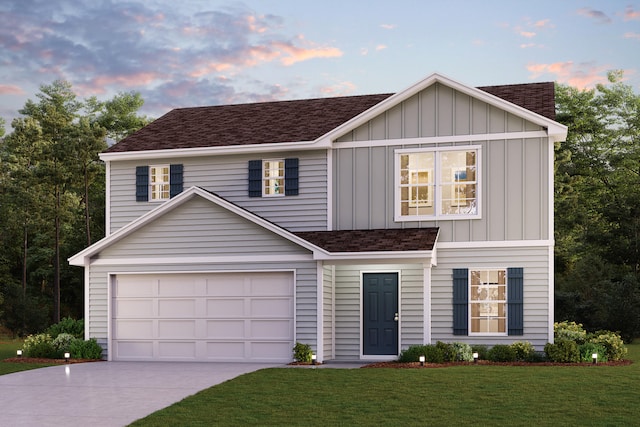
<point x="305" y="291"/>
<point x="534" y="261"/>
<point x="514" y="179"/>
<point x="227" y="176"/>
<point x="348" y="303"/>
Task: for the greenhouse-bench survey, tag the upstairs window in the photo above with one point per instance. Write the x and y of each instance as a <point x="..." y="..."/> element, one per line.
<point x="156" y="183"/>
<point x="437" y="183"/>
<point x="273" y="177"/>
<point x="159" y="182"/>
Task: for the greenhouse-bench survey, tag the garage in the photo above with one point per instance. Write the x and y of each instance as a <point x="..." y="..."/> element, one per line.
<point x="230" y="317"/>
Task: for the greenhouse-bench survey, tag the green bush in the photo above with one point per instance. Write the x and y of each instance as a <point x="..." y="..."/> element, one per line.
<point x="434" y="354"/>
<point x="302" y="352"/>
<point x="569" y="331"/>
<point x="81" y="349"/>
<point x="612" y="343"/>
<point x="482" y="350"/>
<point x="63" y="341"/>
<point x="463" y="352"/>
<point x="587" y="349"/>
<point x="67" y="326"/>
<point x="523" y="350"/>
<point x="563" y="351"/>
<point x="448" y="351"/>
<point x="41" y="346"/>
<point x="413" y="353"/>
<point x="501" y="353"/>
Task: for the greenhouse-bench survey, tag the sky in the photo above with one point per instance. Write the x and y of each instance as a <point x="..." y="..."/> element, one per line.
<point x="209" y="52"/>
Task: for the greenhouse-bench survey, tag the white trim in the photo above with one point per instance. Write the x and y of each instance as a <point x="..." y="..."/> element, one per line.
<point x="111" y="282"/>
<point x="380" y="255"/>
<point x="551" y="236"/>
<point x="107" y="201"/>
<point x="320" y="311"/>
<point x="333" y="311"/>
<point x="506" y="303"/>
<point x="215" y="151"/>
<point x="201" y="260"/>
<point x="495" y="244"/>
<point x="87" y="297"/>
<point x="399" y="284"/>
<point x="426" y="301"/>
<point x="329" y="190"/>
<point x="436" y="140"/>
<point x="556" y="131"/>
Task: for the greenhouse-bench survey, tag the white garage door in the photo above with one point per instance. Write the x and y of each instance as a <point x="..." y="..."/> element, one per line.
<point x="197" y="317"/>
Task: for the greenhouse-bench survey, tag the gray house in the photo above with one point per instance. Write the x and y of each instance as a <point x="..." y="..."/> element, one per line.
<point x="359" y="225"/>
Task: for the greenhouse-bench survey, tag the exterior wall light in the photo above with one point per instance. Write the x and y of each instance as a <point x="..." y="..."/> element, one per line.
<point x="475" y="357"/>
<point x="422" y="358"/>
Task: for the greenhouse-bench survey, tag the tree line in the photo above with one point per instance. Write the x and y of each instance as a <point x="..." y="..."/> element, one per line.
<point x="52" y="195"/>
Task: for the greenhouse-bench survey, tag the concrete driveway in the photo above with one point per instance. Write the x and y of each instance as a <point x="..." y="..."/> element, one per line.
<point x="106" y="393"/>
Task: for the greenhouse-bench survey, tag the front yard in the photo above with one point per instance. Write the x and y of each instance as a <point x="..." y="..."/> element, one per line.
<point x="459" y="395"/>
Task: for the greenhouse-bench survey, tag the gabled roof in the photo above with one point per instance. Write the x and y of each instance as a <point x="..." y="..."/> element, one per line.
<point x="363" y="244"/>
<point x="302" y="120"/>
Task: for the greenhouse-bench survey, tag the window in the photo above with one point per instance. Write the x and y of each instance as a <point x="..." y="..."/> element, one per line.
<point x="488" y="302"/>
<point x="158" y="182"/>
<point x="273" y="177"/>
<point x="437" y="183"/>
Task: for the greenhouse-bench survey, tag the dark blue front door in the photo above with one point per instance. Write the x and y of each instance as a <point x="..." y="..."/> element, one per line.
<point x="380" y="313"/>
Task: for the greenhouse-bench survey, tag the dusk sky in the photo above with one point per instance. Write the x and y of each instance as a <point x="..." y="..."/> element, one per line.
<point x="209" y="52"/>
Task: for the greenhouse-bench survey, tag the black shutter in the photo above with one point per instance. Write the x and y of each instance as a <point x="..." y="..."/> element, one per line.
<point x="515" y="301"/>
<point x="175" y="180"/>
<point x="255" y="178"/>
<point x="290" y="177"/>
<point x="142" y="183"/>
<point x="460" y="301"/>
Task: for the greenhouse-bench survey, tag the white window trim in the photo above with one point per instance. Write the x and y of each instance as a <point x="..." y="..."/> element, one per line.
<point x="151" y="184"/>
<point x="263" y="179"/>
<point x="506" y="304"/>
<point x="437" y="200"/>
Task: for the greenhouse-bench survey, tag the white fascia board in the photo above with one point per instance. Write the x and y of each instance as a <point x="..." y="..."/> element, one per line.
<point x="214" y="151"/>
<point x="372" y="256"/>
<point x="182" y="260"/>
<point x="556" y="131"/>
<point x="78" y="259"/>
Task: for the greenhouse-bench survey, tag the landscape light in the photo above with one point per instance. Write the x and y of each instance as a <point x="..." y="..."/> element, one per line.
<point x="475" y="357"/>
<point x="67" y="356"/>
<point x="422" y="360"/>
<point x="594" y="357"/>
<point x="313" y="359"/>
<point x="19" y="353"/>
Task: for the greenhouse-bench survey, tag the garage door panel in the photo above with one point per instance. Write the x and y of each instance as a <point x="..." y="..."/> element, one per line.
<point x="225" y="307"/>
<point x="131" y="329"/>
<point x="177" y="329"/>
<point x="171" y="307"/>
<point x="137" y="308"/>
<point x="177" y="350"/>
<point x="203" y="317"/>
<point x="271" y="329"/>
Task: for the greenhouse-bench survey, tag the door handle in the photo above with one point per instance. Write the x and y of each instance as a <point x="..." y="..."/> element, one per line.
<point x="395" y="318"/>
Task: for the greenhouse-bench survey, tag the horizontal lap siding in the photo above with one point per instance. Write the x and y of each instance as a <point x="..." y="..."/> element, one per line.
<point x="535" y="262"/>
<point x="305" y="297"/>
<point x="347" y="303"/>
<point x="227" y="176"/>
<point x="328" y="313"/>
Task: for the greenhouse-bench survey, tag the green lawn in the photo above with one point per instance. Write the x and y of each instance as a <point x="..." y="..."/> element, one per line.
<point x="464" y="395"/>
<point x="8" y="349"/>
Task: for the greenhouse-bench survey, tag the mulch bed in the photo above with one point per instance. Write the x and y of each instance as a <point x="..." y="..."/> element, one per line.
<point x="41" y="360"/>
<point x="414" y="365"/>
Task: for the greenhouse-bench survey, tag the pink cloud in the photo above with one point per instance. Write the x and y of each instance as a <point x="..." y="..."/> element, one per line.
<point x="582" y="76"/>
<point x="381" y="47"/>
<point x="632" y="35"/>
<point x="631" y="15"/>
<point x="338" y="89"/>
<point x="297" y="54"/>
<point x="99" y="84"/>
<point x="10" y="90"/>
<point x="543" y="23"/>
<point x="595" y="14"/>
<point x="388" y="26"/>
<point x="527" y="34"/>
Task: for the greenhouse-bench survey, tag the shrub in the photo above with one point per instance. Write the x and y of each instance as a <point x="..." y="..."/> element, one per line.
<point x="448" y="351"/>
<point x="563" y="351"/>
<point x="501" y="353"/>
<point x="569" y="331"/>
<point x="62" y="342"/>
<point x="412" y="354"/>
<point x="463" y="352"/>
<point x="81" y="349"/>
<point x="40" y="345"/>
<point x="523" y="350"/>
<point x="302" y="352"/>
<point x="482" y="350"/>
<point x="67" y="326"/>
<point x="612" y="343"/>
<point x="432" y="353"/>
<point x="587" y="349"/>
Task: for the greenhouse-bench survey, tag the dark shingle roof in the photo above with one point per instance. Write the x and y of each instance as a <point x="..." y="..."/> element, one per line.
<point x="408" y="239"/>
<point x="288" y="121"/>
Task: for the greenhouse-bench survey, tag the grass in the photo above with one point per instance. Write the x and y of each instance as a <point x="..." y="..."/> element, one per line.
<point x="8" y="349"/>
<point x="462" y="395"/>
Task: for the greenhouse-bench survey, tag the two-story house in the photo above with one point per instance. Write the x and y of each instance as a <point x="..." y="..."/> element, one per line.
<point x="359" y="225"/>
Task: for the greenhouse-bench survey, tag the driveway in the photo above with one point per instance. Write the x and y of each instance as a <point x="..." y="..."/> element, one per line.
<point x="106" y="393"/>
